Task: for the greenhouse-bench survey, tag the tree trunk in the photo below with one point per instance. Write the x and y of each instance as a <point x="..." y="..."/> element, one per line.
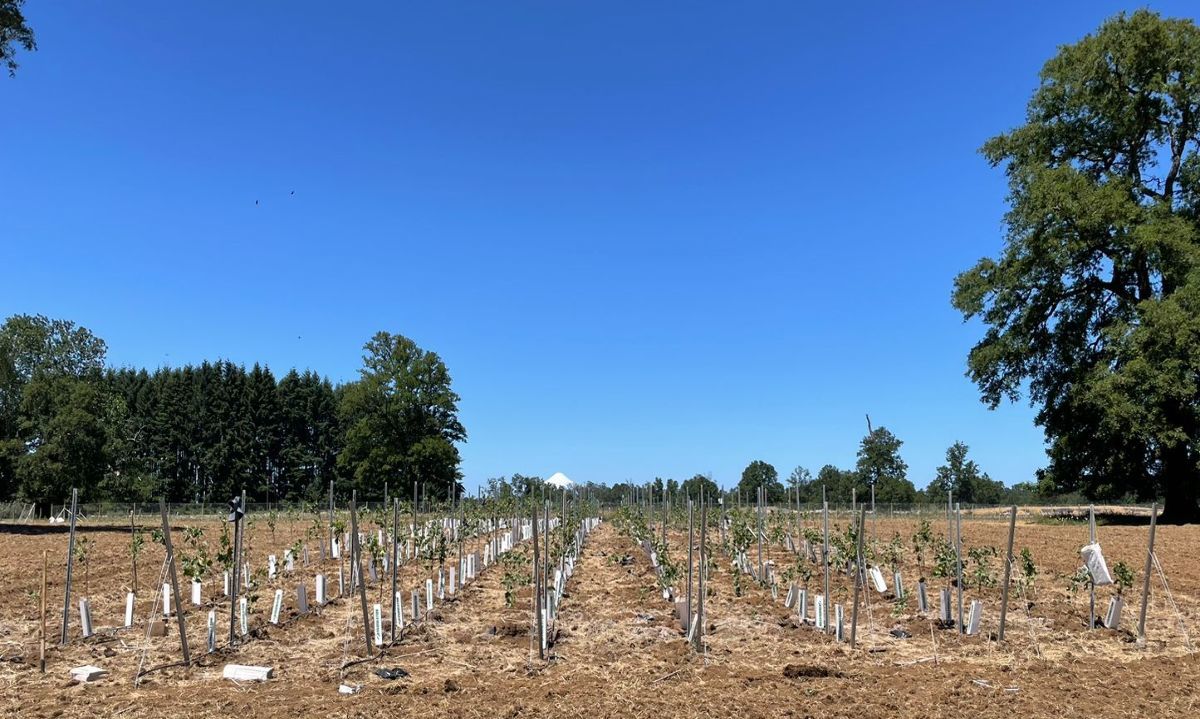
<point x="1181" y="487"/>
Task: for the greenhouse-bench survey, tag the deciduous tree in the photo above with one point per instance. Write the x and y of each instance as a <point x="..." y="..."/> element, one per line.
<point x="401" y="419"/>
<point x="1093" y="305"/>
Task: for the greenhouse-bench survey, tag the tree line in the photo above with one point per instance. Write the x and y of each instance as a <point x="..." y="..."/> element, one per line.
<point x="879" y="464"/>
<point x="201" y="433"/>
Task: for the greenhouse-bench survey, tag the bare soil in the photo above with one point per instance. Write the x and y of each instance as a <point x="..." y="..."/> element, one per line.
<point x="620" y="652"/>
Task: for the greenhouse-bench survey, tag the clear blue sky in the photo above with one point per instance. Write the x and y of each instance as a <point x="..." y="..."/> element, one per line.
<point x="647" y="238"/>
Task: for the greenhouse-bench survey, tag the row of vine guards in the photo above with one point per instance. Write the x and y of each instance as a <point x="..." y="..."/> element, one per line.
<point x="480" y="543"/>
<point x="954" y="611"/>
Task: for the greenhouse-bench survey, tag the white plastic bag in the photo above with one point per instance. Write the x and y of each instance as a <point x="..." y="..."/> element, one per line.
<point x="1093" y="558"/>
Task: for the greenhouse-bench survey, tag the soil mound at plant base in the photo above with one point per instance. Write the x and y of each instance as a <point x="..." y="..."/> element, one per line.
<point x="810" y="671"/>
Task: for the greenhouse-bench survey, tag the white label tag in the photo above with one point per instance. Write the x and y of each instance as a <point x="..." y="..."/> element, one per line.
<point x="277" y="606"/>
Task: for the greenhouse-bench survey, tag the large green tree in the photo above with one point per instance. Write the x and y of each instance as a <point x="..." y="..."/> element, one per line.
<point x="13" y="31"/>
<point x="36" y="351"/>
<point x="838" y="485"/>
<point x="401" y="420"/>
<point x="879" y="464"/>
<point x="64" y="439"/>
<point x="701" y="485"/>
<point x="963" y="477"/>
<point x="1093" y="305"/>
<point x="800" y="485"/>
<point x="761" y="474"/>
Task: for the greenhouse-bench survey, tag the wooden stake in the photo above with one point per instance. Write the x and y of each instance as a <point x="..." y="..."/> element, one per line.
<point x="959" y="563"/>
<point x="395" y="552"/>
<point x="357" y="569"/>
<point x="825" y="554"/>
<point x="1091" y="580"/>
<point x="42" y="633"/>
<point x="691" y="544"/>
<point x="329" y="525"/>
<point x="858" y="577"/>
<point x="180" y="618"/>
<point x="132" y="556"/>
<point x="1146" y="575"/>
<point x="699" y="630"/>
<point x="66" y="616"/>
<point x="235" y="580"/>
<point x="1012" y="530"/>
<point x="537" y="585"/>
<point x="761" y="568"/>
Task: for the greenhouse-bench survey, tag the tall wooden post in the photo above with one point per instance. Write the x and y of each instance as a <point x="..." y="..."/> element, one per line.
<point x="235" y="582"/>
<point x="66" y="616"/>
<point x="874" y="517"/>
<point x="180" y="618"/>
<point x="1146" y="575"/>
<point x="42" y="632"/>
<point x="546" y="556"/>
<point x="537" y="585"/>
<point x="761" y="569"/>
<point x="959" y="563"/>
<point x="825" y="552"/>
<point x="356" y="569"/>
<point x="1091" y="580"/>
<point x="395" y="556"/>
<point x="691" y="543"/>
<point x="699" y="629"/>
<point x="666" y="508"/>
<point x="859" y="571"/>
<point x="1012" y="531"/>
<point x="132" y="556"/>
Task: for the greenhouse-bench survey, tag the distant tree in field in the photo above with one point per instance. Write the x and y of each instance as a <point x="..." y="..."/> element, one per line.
<point x="51" y="356"/>
<point x="308" y="435"/>
<point x="837" y="484"/>
<point x="1093" y="305"/>
<point x="1022" y="493"/>
<point x="64" y="439"/>
<point x="879" y="463"/>
<point x="701" y="485"/>
<point x="760" y="474"/>
<point x="401" y="420"/>
<point x="963" y="477"/>
<point x="13" y="31"/>
<point x="526" y="484"/>
<point x="801" y="481"/>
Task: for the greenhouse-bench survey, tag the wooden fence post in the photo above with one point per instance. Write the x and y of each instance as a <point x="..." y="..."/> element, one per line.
<point x="825" y="554"/>
<point x="66" y="616"/>
<point x="356" y="569"/>
<point x="859" y="570"/>
<point x="180" y="619"/>
<point x="1012" y="530"/>
<point x="1146" y="577"/>
<point x="958" y="562"/>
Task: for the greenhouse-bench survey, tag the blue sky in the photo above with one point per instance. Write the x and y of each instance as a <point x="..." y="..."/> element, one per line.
<point x="649" y="239"/>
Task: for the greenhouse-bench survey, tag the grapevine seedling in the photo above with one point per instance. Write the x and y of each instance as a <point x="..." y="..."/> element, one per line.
<point x="1123" y="576"/>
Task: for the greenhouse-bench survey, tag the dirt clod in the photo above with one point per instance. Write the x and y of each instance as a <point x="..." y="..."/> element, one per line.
<point x="809" y="671"/>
